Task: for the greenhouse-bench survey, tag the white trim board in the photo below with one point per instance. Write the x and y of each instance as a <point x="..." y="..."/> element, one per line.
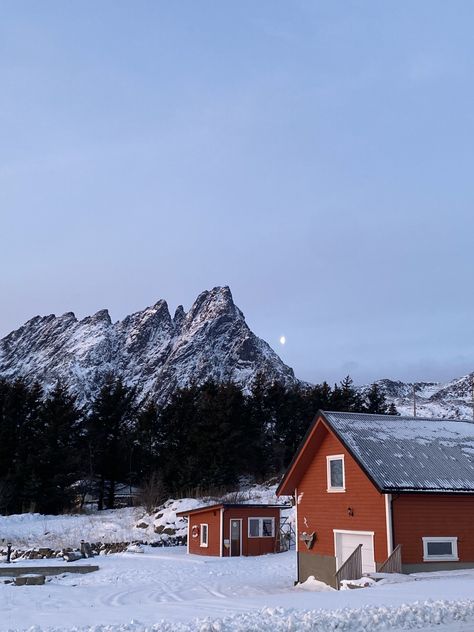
<point x="221" y="530"/>
<point x="296" y="521"/>
<point x="388" y="523"/>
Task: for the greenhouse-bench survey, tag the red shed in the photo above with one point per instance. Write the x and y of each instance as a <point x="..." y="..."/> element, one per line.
<point x="229" y="530"/>
<point x="400" y="487"/>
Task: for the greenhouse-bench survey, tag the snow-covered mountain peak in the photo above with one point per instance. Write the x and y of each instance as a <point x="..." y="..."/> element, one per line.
<point x="151" y="350"/>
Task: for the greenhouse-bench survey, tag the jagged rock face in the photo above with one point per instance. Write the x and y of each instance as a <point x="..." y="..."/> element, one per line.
<point x="452" y="400"/>
<point x="150" y="350"/>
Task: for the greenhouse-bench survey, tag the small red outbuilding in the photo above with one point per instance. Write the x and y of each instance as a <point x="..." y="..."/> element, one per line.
<point x="229" y="530"/>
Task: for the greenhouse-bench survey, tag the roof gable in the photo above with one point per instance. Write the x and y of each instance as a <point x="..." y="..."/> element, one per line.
<point x="396" y="453"/>
<point x="304" y="456"/>
<point x="410" y="453"/>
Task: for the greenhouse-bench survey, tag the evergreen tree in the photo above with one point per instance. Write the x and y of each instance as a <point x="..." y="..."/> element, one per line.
<point x="147" y="435"/>
<point x="26" y="477"/>
<point x="110" y="434"/>
<point x="345" y="397"/>
<point x="392" y="410"/>
<point x="60" y="451"/>
<point x="375" y="401"/>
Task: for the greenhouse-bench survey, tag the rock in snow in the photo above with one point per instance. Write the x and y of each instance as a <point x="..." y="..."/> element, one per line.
<point x="150" y="350"/>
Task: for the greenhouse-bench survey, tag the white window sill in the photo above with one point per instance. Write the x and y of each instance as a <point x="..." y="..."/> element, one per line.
<point x="336" y="490"/>
<point x="259" y="537"/>
<point x="204" y="546"/>
<point x="440" y="558"/>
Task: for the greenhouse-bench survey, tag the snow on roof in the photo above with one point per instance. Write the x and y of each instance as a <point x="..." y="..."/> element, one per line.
<point x="410" y="453"/>
<point x="225" y="505"/>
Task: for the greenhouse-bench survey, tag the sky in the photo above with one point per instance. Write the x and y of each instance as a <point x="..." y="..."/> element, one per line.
<point x="315" y="156"/>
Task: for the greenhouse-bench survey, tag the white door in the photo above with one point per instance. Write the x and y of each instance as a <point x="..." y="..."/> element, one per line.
<point x="347" y="541"/>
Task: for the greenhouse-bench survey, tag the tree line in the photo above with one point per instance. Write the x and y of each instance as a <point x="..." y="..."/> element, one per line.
<point x="52" y="452"/>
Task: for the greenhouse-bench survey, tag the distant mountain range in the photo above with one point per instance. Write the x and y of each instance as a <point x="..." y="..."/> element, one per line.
<point x="451" y="400"/>
<point x="151" y="350"/>
<point x="157" y="353"/>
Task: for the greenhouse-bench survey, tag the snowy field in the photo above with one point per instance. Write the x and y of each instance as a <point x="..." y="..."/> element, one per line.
<point x="166" y="590"/>
<point x="120" y="525"/>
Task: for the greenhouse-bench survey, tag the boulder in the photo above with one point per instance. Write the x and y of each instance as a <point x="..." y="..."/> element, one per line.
<point x="29" y="580"/>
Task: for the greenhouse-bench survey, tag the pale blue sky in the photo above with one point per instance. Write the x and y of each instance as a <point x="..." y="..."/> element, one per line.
<point x="315" y="156"/>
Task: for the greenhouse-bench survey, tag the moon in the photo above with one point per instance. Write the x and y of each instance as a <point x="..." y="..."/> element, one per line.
<point x="282" y="340"/>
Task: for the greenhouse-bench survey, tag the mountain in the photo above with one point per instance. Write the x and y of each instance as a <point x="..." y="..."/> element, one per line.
<point x="151" y="350"/>
<point x="450" y="400"/>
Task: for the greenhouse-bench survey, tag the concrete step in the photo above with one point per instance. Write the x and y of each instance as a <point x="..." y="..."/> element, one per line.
<point x="13" y="570"/>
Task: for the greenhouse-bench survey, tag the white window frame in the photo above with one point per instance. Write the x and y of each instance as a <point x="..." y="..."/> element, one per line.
<point x="260" y="527"/>
<point x="441" y="558"/>
<point x="202" y="542"/>
<point x="335" y="457"/>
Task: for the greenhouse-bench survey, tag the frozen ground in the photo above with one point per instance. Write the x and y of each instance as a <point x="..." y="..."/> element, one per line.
<point x="118" y="525"/>
<point x="166" y="590"/>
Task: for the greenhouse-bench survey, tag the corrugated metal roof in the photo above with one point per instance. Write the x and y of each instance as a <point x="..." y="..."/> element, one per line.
<point x="205" y="508"/>
<point x="410" y="453"/>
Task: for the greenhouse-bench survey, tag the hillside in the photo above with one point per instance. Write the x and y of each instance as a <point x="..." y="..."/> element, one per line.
<point x="451" y="399"/>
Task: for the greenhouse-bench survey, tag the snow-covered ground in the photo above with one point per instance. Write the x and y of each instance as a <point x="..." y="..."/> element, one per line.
<point x="166" y="590"/>
<point x="169" y="590"/>
<point x="120" y="525"/>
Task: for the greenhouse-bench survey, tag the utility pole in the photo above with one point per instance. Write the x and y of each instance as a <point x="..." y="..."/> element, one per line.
<point x="472" y="384"/>
<point x="414" y="399"/>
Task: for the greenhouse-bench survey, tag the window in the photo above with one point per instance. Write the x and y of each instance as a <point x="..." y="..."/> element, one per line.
<point x="204" y="534"/>
<point x="440" y="549"/>
<point x="335" y="472"/>
<point x="261" y="527"/>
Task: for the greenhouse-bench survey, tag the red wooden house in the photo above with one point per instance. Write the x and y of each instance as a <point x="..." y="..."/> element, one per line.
<point x="229" y="530"/>
<point x="383" y="481"/>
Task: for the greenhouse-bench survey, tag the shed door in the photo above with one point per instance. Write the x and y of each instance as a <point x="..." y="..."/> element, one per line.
<point x="235" y="537"/>
<point x="346" y="543"/>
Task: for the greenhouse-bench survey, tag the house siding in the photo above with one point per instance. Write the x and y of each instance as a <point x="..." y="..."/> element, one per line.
<point x="213" y="520"/>
<point x="433" y="515"/>
<point x="322" y="511"/>
<point x="252" y="546"/>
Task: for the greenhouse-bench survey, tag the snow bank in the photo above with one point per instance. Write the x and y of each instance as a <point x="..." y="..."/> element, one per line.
<point x="164" y="522"/>
<point x="376" y="619"/>
<point x="313" y="585"/>
<point x="363" y="582"/>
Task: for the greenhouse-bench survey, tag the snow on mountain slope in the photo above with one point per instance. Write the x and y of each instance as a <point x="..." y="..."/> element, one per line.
<point x="450" y="400"/>
<point x="158" y="353"/>
<point x="149" y="349"/>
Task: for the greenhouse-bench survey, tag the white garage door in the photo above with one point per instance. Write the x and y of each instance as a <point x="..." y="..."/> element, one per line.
<point x="347" y="542"/>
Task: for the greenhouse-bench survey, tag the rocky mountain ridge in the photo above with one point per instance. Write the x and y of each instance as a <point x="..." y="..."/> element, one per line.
<point x="151" y="350"/>
<point x="157" y="353"/>
<point x="449" y="400"/>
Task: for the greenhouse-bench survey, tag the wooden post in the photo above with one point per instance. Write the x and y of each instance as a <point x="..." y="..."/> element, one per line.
<point x="472" y="383"/>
